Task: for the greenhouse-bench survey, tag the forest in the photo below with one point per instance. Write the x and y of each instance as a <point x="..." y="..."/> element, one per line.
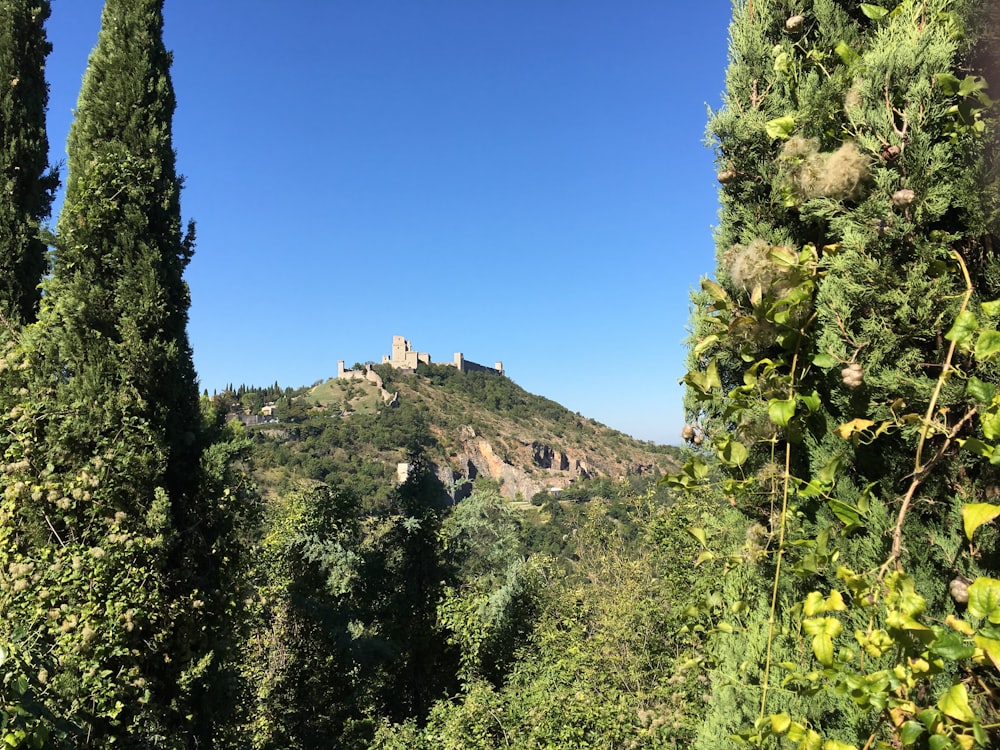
<point x="822" y="571"/>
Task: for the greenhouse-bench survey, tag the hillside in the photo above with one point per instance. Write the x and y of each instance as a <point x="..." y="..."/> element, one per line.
<point x="465" y="425"/>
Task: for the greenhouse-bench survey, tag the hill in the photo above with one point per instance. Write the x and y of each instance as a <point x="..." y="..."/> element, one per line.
<point x="466" y="425"/>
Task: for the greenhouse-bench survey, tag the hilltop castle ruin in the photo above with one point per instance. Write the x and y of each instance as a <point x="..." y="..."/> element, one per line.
<point x="405" y="359"/>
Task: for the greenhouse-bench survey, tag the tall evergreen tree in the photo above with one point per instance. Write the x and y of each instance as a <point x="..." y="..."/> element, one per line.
<point x="842" y="357"/>
<point x="26" y="183"/>
<point x="114" y="520"/>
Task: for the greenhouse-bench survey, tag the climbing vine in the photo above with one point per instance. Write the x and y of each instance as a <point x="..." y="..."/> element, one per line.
<point x="842" y="375"/>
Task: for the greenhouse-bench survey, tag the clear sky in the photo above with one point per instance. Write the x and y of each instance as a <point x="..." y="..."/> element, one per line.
<point x="523" y="181"/>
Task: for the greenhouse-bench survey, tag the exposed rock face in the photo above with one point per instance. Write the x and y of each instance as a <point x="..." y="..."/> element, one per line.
<point x="522" y="469"/>
<point x="546" y="458"/>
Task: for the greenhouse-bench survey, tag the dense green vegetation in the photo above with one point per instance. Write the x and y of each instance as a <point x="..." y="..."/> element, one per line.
<point x="116" y="518"/>
<point x="843" y="373"/>
<point x="819" y="574"/>
<point x="27" y="183"/>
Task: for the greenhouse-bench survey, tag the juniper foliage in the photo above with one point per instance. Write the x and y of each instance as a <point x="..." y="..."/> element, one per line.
<point x="854" y="151"/>
<point x="118" y="516"/>
<point x="26" y="182"/>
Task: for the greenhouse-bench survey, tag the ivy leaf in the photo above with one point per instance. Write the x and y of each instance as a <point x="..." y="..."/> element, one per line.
<point x="910" y="731"/>
<point x="781" y="411"/>
<point x="965" y="325"/>
<point x="823" y="649"/>
<point x="971" y="85"/>
<point x="949" y="84"/>
<point x="991" y="309"/>
<point x="712" y="379"/>
<point x="838" y="745"/>
<point x="952" y="646"/>
<point x="698" y="534"/>
<point x="780" y="127"/>
<point x="813" y="604"/>
<point x="987" y="344"/>
<point x="846" y="54"/>
<point x="780" y="723"/>
<point x="847" y="514"/>
<point x="705" y="344"/>
<point x="828" y="473"/>
<point x="715" y="291"/>
<point x="825" y="361"/>
<point x="874" y="12"/>
<point x="982" y="392"/>
<point x="782" y="256"/>
<point x="955" y="703"/>
<point x="960" y="625"/>
<point x="812" y="401"/>
<point x="990" y="422"/>
<point x="704" y="557"/>
<point x="975" y="515"/>
<point x="734" y="453"/>
<point x="991" y="647"/>
<point x="984" y="599"/>
<point x="855" y="425"/>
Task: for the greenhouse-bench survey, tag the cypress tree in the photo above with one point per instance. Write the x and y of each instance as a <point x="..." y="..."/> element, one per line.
<point x="844" y="354"/>
<point x="26" y="184"/>
<point x="114" y="520"/>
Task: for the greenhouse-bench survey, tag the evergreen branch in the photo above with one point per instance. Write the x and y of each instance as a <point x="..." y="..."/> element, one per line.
<point x="893" y="112"/>
<point x="918" y="479"/>
<point x="920" y="470"/>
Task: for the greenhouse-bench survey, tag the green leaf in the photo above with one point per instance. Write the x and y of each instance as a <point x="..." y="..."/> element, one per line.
<point x="874" y="12"/>
<point x="991" y="309"/>
<point x="812" y="401"/>
<point x="734" y="453"/>
<point x="846" y="54"/>
<point x="825" y="361"/>
<point x="991" y="647"/>
<point x="823" y="649"/>
<point x="982" y="392"/>
<point x="781" y="411"/>
<point x="704" y="557"/>
<point x="971" y="85"/>
<point x="715" y="291"/>
<point x="929" y="717"/>
<point x="780" y="723"/>
<point x="990" y="422"/>
<point x="847" y="514"/>
<point x="838" y="745"/>
<point x="984" y="599"/>
<point x="695" y="468"/>
<point x="782" y="256"/>
<point x="910" y="731"/>
<point x="975" y="515"/>
<point x="939" y="742"/>
<point x="705" y="344"/>
<point x="955" y="703"/>
<point x="828" y="473"/>
<point x="813" y="604"/>
<point x="964" y="327"/>
<point x="712" y="379"/>
<point x="951" y="645"/>
<point x="780" y="127"/>
<point x="698" y="534"/>
<point x="987" y="344"/>
<point x="949" y="84"/>
<point x="977" y="446"/>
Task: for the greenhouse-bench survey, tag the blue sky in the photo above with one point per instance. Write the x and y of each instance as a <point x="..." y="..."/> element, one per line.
<point x="523" y="181"/>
